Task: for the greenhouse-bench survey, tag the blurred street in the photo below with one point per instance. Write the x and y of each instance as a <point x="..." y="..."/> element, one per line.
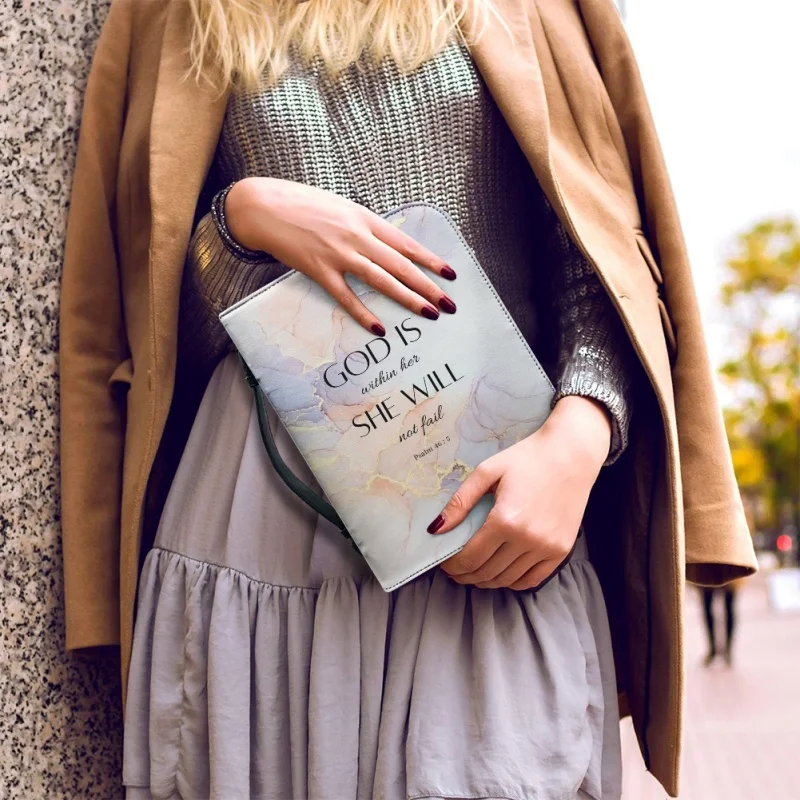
<point x="742" y="738"/>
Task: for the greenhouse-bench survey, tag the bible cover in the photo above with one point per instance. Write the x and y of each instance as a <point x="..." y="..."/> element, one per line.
<point x="391" y="426"/>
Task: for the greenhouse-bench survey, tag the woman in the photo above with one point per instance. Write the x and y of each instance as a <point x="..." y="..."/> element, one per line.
<point x="265" y="663"/>
<point x="308" y="159"/>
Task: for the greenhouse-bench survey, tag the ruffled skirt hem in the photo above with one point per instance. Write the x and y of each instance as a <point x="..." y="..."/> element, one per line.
<point x="244" y="689"/>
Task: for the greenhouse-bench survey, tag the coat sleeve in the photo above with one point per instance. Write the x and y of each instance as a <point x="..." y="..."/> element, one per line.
<point x="718" y="543"/>
<point x="93" y="353"/>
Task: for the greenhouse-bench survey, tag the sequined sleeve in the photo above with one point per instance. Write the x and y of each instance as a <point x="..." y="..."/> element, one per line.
<point x="218" y="272"/>
<point x="594" y="354"/>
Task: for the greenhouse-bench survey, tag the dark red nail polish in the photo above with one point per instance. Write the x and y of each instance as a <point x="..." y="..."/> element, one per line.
<point x="429" y="312"/>
<point x="449" y="273"/>
<point x="436" y="524"/>
<point x="378" y="329"/>
<point x="446" y="304"/>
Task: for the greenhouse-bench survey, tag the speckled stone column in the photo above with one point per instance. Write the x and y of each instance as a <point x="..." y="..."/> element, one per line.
<point x="60" y="726"/>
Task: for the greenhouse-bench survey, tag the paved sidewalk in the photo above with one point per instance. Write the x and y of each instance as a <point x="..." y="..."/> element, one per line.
<point x="742" y="738"/>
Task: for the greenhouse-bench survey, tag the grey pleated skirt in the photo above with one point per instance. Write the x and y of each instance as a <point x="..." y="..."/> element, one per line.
<point x="269" y="663"/>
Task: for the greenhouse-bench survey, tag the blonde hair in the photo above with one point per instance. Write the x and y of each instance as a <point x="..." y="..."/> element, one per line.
<point x="241" y="42"/>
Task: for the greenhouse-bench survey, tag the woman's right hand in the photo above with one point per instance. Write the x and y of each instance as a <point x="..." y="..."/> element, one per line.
<point x="325" y="236"/>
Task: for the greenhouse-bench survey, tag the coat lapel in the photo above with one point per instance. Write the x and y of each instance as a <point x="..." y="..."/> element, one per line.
<point x="509" y="65"/>
<point x="526" y="85"/>
<point x="185" y="126"/>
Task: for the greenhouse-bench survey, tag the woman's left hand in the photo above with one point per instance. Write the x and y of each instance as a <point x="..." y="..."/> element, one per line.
<point x="541" y="487"/>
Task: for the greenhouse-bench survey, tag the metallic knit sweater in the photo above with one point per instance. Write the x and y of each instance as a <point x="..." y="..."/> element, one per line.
<point x="384" y="138"/>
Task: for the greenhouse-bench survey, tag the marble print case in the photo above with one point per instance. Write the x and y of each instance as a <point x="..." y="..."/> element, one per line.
<point x="391" y="426"/>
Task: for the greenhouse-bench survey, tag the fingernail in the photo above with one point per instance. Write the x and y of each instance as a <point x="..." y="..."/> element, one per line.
<point x="448" y="272"/>
<point x="446" y="304"/>
<point x="436" y="524"/>
<point x="378" y="329"/>
<point x="429" y="312"/>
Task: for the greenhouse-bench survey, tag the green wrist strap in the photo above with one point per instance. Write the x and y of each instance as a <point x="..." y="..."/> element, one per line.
<point x="301" y="489"/>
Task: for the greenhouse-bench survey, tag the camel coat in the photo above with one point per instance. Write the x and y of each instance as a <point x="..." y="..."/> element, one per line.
<point x="570" y="90"/>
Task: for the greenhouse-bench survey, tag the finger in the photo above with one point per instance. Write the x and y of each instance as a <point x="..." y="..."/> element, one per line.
<point x="498" y="562"/>
<point x="404" y="244"/>
<point x="480" y="481"/>
<point x="337" y="287"/>
<point x="384" y="282"/>
<point x="537" y="576"/>
<point x="408" y="273"/>
<point x="514" y="572"/>
<point x="477" y="552"/>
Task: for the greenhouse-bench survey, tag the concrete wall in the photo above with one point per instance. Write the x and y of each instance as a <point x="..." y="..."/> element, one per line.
<point x="60" y="727"/>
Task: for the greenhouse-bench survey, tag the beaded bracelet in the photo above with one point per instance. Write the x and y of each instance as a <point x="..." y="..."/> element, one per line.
<point x="218" y="214"/>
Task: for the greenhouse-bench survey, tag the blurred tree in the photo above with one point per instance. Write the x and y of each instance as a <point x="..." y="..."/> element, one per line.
<point x="751" y="473"/>
<point x="762" y="292"/>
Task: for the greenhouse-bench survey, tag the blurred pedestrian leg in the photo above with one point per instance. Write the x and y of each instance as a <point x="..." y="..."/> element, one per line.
<point x="730" y="622"/>
<point x="708" y="615"/>
<point x="729" y="594"/>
